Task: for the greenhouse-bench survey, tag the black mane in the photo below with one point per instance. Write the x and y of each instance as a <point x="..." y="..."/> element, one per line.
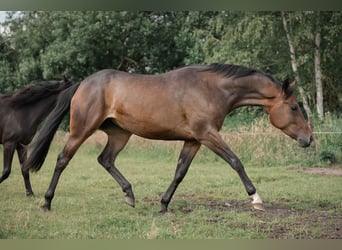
<point x="34" y="93"/>
<point x="236" y="71"/>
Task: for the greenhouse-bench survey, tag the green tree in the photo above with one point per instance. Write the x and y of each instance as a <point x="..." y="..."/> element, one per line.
<point x="254" y="39"/>
<point x="78" y="43"/>
<point x="317" y="39"/>
<point x="258" y="39"/>
<point x="46" y="44"/>
<point x="331" y="59"/>
<point x="7" y="65"/>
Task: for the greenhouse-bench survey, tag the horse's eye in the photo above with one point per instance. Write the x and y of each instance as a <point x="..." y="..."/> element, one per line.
<point x="294" y="107"/>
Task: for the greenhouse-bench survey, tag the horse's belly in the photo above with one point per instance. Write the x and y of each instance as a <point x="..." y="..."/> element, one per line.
<point x="162" y="130"/>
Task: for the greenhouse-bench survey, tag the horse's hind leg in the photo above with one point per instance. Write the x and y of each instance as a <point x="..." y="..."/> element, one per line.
<point x="117" y="139"/>
<point x="22" y="155"/>
<point x="72" y="145"/>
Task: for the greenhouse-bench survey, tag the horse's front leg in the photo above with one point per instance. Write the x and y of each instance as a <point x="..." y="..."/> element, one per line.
<point x="8" y="153"/>
<point x="186" y="156"/>
<point x="214" y="142"/>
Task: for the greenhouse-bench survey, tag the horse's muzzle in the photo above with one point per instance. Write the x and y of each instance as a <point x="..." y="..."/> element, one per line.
<point x="306" y="141"/>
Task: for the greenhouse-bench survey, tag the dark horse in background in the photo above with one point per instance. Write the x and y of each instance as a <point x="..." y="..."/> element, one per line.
<point x="20" y="115"/>
<point x="187" y="104"/>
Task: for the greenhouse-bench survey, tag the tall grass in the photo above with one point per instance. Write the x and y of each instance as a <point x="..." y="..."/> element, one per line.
<point x="257" y="143"/>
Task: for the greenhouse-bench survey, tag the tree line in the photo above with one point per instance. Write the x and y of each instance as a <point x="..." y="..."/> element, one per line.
<point x="305" y="45"/>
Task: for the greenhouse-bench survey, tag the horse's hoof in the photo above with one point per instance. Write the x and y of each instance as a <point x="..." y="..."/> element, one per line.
<point x="29" y="194"/>
<point x="259" y="207"/>
<point x="162" y="212"/>
<point x="257" y="202"/>
<point x="130" y="201"/>
<point x="45" y="208"/>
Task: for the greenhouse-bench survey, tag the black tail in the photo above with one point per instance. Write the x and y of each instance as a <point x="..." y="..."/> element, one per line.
<point x="41" y="144"/>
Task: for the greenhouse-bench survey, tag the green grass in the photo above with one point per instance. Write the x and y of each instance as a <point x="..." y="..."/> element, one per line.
<point x="211" y="202"/>
<point x="89" y="204"/>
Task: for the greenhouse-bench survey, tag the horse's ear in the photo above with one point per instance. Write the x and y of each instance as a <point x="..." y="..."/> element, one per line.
<point x="287" y="87"/>
<point x="66" y="79"/>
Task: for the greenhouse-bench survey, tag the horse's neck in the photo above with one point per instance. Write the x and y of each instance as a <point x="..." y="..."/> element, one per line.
<point x="251" y="91"/>
<point x="36" y="112"/>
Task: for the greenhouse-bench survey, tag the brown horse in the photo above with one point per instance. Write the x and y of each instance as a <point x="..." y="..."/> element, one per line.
<point x="187" y="104"/>
<point x="20" y="115"/>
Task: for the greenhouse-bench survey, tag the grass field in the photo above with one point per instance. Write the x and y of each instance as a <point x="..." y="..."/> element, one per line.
<point x="211" y="202"/>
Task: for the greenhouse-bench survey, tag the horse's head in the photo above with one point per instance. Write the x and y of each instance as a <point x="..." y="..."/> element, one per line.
<point x="286" y="115"/>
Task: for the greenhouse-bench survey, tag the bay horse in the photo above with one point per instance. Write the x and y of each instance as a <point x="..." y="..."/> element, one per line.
<point x="187" y="104"/>
<point x="21" y="113"/>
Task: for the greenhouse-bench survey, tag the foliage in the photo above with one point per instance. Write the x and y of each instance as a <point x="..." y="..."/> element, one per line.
<point x="78" y="43"/>
<point x="257" y="39"/>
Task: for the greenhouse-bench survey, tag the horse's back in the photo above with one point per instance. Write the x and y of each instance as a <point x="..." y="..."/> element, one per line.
<point x="152" y="106"/>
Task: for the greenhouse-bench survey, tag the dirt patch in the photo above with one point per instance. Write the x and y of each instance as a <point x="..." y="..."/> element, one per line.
<point x="282" y="223"/>
<point x="323" y="171"/>
<point x="277" y="222"/>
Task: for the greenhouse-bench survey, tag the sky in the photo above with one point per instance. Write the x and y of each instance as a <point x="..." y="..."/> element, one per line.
<point x="2" y="16"/>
